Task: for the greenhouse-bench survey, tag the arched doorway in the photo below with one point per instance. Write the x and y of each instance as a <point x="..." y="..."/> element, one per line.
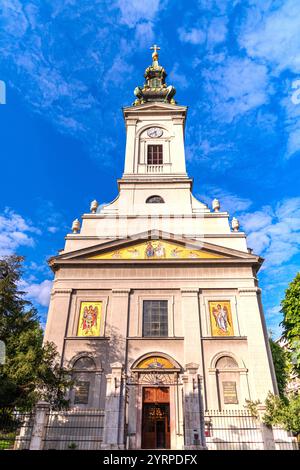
<point x="155" y="380"/>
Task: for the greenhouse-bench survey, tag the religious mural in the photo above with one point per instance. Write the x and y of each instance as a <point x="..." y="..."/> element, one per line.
<point x="221" y="318"/>
<point x="155" y="363"/>
<point x="89" y="319"/>
<point x="156" y="249"/>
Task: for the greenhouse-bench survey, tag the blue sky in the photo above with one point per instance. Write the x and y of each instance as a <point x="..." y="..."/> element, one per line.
<point x="69" y="67"/>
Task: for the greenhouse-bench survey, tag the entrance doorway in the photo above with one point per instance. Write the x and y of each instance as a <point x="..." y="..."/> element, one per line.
<point x="156" y="418"/>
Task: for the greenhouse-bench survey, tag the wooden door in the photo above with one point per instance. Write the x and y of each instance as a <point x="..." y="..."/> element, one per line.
<point x="156" y="418"/>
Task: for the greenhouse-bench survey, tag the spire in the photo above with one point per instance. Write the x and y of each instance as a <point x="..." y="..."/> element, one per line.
<point x="155" y="87"/>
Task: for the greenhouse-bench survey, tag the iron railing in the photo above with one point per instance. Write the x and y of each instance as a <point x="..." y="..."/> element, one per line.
<point x="74" y="429"/>
<point x="15" y="429"/>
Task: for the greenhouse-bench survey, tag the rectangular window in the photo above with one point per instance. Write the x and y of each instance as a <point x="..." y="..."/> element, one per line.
<point x="155" y="318"/>
<point x="155" y="155"/>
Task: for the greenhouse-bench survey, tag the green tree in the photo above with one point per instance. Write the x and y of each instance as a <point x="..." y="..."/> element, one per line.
<point x="31" y="370"/>
<point x="281" y="365"/>
<point x="283" y="412"/>
<point x="291" y="320"/>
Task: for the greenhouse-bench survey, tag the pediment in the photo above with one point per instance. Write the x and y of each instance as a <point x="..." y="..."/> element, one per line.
<point x="154" y="246"/>
<point x="156" y="249"/>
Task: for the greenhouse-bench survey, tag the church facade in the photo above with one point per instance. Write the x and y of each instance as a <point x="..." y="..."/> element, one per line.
<point x="155" y="304"/>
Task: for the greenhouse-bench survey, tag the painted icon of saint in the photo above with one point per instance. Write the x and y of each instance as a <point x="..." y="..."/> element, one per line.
<point x="221" y="317"/>
<point x="160" y="251"/>
<point x="149" y="250"/>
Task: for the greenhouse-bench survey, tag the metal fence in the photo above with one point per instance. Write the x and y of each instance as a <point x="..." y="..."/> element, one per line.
<point x="15" y="429"/>
<point x="83" y="429"/>
<point x="239" y="430"/>
<point x="284" y="440"/>
<point x="74" y="429"/>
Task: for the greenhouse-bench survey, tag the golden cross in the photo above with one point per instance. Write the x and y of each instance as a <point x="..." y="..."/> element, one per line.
<point x="155" y="48"/>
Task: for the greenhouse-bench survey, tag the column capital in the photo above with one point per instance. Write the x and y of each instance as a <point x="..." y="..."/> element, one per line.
<point x="61" y="291"/>
<point x="121" y="292"/>
<point x="249" y="291"/>
<point x="190" y="291"/>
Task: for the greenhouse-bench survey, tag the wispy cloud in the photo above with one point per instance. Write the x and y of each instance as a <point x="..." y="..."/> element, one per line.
<point x="271" y="33"/>
<point x="99" y="40"/>
<point x="37" y="292"/>
<point x="275" y="232"/>
<point x="230" y="202"/>
<point x="15" y="231"/>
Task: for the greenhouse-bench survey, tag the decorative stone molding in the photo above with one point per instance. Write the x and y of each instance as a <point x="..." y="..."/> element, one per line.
<point x="61" y="291"/>
<point x="191" y="367"/>
<point x="249" y="291"/>
<point x="121" y="292"/>
<point x="189" y="290"/>
<point x="131" y="122"/>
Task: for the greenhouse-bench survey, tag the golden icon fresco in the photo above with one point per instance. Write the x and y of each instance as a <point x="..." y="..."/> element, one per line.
<point x="155" y="363"/>
<point x="89" y="319"/>
<point x="221" y="318"/>
<point x="156" y="249"/>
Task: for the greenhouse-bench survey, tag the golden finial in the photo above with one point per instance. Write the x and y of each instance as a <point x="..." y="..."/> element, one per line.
<point x="155" y="48"/>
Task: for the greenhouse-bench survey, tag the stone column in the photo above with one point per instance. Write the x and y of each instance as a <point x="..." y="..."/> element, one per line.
<point x="41" y="416"/>
<point x="97" y="390"/>
<point x="113" y="435"/>
<point x="260" y="369"/>
<point x="130" y="152"/>
<point x="192" y="399"/>
<point x="191" y="322"/>
<point x="56" y="328"/>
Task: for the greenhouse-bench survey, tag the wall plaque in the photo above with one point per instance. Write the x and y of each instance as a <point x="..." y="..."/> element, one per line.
<point x="229" y="393"/>
<point x="82" y="389"/>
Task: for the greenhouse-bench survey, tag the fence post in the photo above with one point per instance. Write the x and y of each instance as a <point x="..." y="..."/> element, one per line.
<point x="41" y="416"/>
<point x="114" y="409"/>
<point x="193" y="419"/>
<point x="266" y="431"/>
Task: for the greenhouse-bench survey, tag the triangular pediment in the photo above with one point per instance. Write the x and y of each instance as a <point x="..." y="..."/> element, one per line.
<point x="157" y="249"/>
<point x="154" y="246"/>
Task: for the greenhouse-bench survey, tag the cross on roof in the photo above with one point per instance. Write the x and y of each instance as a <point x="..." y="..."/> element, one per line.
<point x="155" y="48"/>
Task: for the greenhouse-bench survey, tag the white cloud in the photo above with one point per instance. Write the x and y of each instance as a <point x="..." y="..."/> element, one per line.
<point x="192" y="35"/>
<point x="144" y="34"/>
<point x="229" y="202"/>
<point x="15" y="232"/>
<point x="274" y="233"/>
<point x="134" y="11"/>
<point x="38" y="292"/>
<point x="236" y="86"/>
<point x="273" y="35"/>
<point x="178" y="79"/>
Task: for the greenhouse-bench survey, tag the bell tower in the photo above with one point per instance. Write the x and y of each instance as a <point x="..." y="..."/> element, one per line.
<point x="155" y="129"/>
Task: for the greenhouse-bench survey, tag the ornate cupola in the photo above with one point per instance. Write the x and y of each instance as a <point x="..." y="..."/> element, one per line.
<point x="155" y="87"/>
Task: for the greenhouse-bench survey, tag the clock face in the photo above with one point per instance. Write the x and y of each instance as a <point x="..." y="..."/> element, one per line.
<point x="155" y="132"/>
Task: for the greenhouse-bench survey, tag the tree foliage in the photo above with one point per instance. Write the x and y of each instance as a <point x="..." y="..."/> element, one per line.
<point x="31" y="370"/>
<point x="291" y="320"/>
<point x="283" y="412"/>
<point x="281" y="365"/>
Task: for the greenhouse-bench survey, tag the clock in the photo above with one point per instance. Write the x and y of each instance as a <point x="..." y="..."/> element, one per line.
<point x="155" y="132"/>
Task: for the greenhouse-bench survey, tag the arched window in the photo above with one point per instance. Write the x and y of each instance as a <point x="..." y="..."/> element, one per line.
<point x="155" y="200"/>
<point x="228" y="380"/>
<point x="226" y="362"/>
<point x="84" y="363"/>
<point x="84" y="381"/>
